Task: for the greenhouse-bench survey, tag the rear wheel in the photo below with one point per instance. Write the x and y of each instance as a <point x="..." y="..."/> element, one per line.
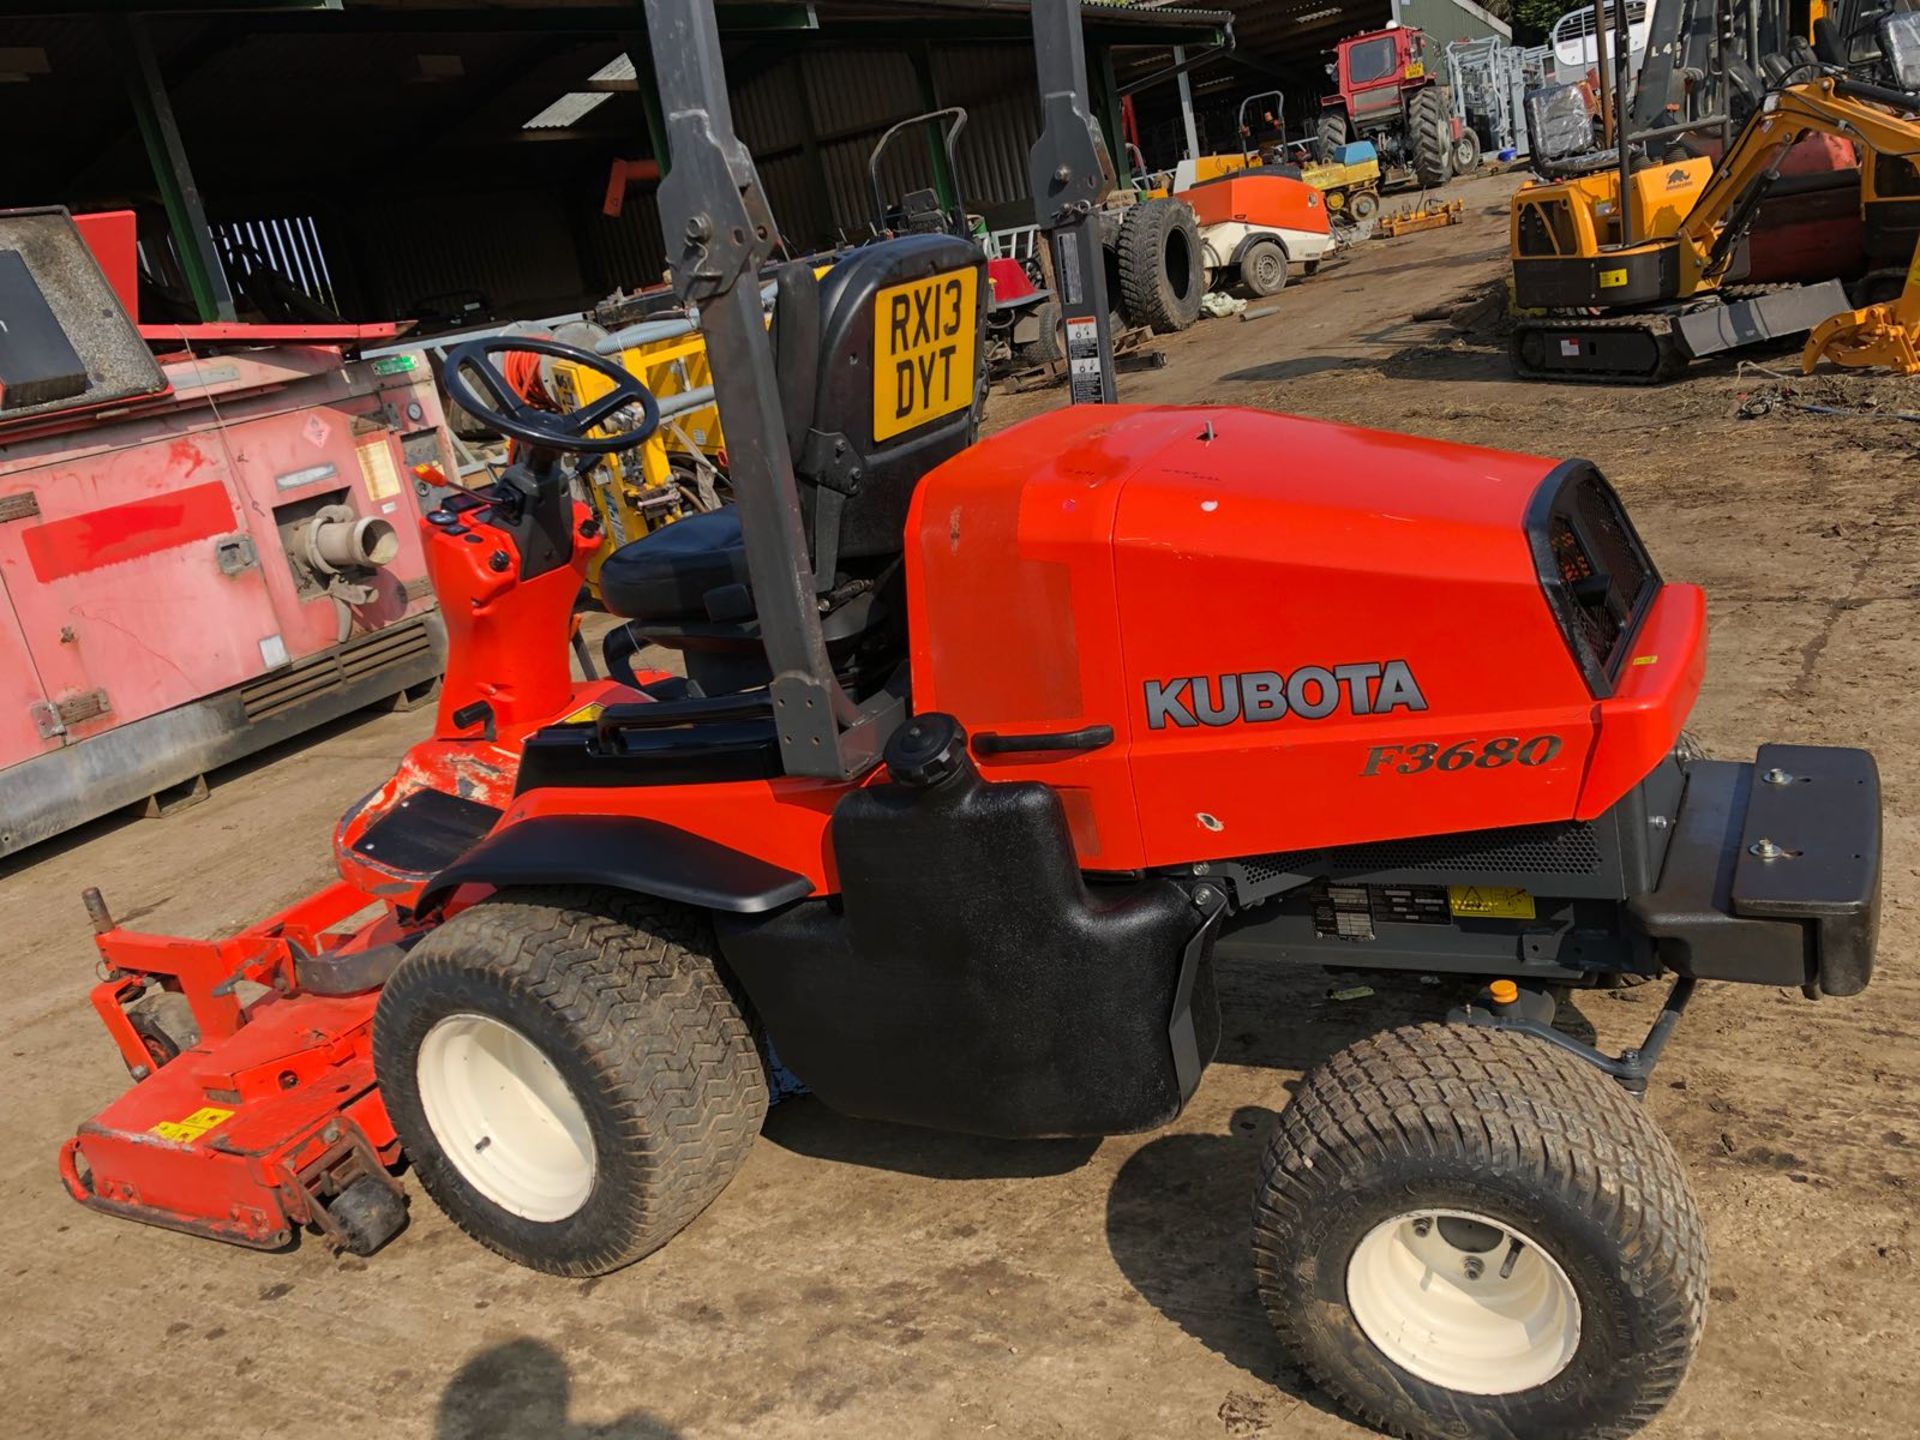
<point x="1363" y="205"/>
<point x="571" y="1078"/>
<point x="1431" y="139"/>
<point x="1263" y="268"/>
<point x="1162" y="276"/>
<point x="1470" y="1232"/>
<point x="1466" y="152"/>
<point x="1331" y="133"/>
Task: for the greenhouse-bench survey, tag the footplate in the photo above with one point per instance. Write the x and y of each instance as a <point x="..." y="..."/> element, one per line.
<point x="1773" y="876"/>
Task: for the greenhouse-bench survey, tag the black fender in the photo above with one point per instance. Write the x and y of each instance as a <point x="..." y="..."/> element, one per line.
<point x="621" y="852"/>
<point x="1254" y="237"/>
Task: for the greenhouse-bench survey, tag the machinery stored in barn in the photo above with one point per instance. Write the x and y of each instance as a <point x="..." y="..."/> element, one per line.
<point x="986" y="753"/>
<point x="1389" y="88"/>
<point x="201" y="553"/>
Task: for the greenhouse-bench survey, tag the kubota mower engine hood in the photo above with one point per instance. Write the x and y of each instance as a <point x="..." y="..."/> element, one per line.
<point x="1300" y="634"/>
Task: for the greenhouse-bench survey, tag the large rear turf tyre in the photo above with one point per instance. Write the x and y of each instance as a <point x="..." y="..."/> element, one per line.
<point x="1431" y="140"/>
<point x="1331" y="133"/>
<point x="1465" y="1232"/>
<point x="1162" y="273"/>
<point x="569" y="1074"/>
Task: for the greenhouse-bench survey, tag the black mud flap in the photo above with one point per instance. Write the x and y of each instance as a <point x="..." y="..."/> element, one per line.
<point x="969" y="978"/>
<point x="1773" y="876"/>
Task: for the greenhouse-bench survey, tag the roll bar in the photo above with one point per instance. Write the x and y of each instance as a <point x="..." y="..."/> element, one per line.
<point x="720" y="232"/>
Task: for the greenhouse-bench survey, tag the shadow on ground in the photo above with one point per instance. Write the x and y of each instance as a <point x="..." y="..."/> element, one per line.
<point x="522" y="1390"/>
<point x="807" y="1127"/>
<point x="1178" y="1225"/>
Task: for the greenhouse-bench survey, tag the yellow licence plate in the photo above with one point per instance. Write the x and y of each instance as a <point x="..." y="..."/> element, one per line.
<point x="1489" y="902"/>
<point x="923" y="350"/>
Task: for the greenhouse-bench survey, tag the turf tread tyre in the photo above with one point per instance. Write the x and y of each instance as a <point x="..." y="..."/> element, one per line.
<point x="1431" y="141"/>
<point x="1500" y="1105"/>
<point x="1158" y="237"/>
<point x="622" y="994"/>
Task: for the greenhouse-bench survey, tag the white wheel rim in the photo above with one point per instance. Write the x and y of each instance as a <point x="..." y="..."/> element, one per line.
<point x="505" y="1117"/>
<point x="1464" y="1301"/>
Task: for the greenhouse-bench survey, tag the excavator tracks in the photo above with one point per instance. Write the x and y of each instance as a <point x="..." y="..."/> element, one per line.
<point x="1597" y="350"/>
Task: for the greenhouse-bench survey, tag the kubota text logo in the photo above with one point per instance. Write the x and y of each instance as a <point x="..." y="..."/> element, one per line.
<point x="1312" y="692"/>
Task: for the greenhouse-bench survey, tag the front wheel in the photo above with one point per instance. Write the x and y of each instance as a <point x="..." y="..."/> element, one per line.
<point x="1467" y="1232"/>
<point x="569" y="1074"/>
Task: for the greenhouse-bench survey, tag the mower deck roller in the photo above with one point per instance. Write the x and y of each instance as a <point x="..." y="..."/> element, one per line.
<point x="977" y="770"/>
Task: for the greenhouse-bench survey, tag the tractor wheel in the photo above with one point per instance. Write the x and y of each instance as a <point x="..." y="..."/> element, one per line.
<point x="1430" y="140"/>
<point x="1363" y="205"/>
<point x="1263" y="268"/>
<point x="1466" y="152"/>
<point x="569" y="1074"/>
<point x="1470" y="1232"/>
<point x="1331" y="133"/>
<point x="1162" y="274"/>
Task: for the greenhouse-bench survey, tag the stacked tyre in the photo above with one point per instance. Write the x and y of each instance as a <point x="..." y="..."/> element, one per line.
<point x="1162" y="274"/>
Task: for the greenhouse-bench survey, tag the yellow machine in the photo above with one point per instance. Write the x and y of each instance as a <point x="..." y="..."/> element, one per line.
<point x="1886" y="335"/>
<point x="674" y="473"/>
<point x="1660" y="261"/>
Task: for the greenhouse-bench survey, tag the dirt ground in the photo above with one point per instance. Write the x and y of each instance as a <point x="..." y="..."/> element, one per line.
<point x="858" y="1280"/>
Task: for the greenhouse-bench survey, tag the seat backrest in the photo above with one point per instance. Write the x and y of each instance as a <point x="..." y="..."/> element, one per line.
<point x="897" y="390"/>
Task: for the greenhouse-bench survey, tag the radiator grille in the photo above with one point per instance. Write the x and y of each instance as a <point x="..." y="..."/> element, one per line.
<point x="1517" y="850"/>
<point x="272" y="694"/>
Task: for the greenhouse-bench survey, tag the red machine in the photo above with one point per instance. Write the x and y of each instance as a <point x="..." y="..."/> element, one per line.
<point x="1391" y="90"/>
<point x="983" y="755"/>
<point x="200" y="554"/>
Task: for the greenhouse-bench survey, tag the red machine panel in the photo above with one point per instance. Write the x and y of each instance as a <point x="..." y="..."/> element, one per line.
<point x="23" y="701"/>
<point x="118" y="585"/>
<point x="1318" y="690"/>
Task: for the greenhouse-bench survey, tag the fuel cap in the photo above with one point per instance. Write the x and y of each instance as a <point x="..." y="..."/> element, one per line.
<point x="926" y="750"/>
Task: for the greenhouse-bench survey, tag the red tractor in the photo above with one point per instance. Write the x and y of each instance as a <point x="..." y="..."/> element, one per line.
<point x="985" y="754"/>
<point x="1392" y="91"/>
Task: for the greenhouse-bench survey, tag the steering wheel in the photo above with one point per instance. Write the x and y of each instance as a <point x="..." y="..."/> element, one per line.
<point x="512" y="415"/>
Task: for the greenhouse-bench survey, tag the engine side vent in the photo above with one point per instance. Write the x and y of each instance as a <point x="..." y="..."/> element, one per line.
<point x="272" y="694"/>
<point x="1566" y="849"/>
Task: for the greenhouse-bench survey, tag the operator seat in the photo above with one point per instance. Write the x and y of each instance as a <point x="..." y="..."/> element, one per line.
<point x="686" y="585"/>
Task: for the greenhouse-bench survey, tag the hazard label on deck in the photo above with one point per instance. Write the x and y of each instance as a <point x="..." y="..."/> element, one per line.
<point x="193" y="1126"/>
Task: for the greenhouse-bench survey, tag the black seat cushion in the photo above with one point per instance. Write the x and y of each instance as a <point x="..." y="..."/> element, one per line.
<point x="667" y="573"/>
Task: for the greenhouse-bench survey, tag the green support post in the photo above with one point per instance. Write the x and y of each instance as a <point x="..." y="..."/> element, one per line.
<point x="944" y="180"/>
<point x="1106" y="106"/>
<point x="656" y="121"/>
<point x="186" y="215"/>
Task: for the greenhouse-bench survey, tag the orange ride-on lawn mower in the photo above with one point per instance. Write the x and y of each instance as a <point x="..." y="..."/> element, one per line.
<point x="985" y="755"/>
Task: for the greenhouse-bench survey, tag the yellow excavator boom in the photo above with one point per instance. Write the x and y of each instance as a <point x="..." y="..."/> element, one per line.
<point x="1886" y="335"/>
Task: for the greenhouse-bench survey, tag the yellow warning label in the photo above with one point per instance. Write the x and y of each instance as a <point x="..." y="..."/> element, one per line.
<point x="1489" y="902"/>
<point x="193" y="1126"/>
<point x="1612" y="279"/>
<point x="583" y="714"/>
<point x="377" y="468"/>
